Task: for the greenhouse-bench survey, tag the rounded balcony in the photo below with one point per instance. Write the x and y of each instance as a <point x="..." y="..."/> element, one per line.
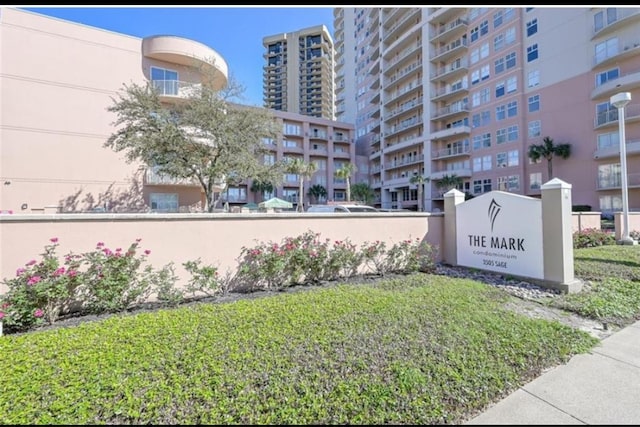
<point x="179" y="50"/>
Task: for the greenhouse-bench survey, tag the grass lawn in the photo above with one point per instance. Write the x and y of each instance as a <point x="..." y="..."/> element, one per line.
<point x="422" y="349"/>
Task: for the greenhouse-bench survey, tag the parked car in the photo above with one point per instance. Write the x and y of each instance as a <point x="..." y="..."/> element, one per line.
<point x="349" y="208"/>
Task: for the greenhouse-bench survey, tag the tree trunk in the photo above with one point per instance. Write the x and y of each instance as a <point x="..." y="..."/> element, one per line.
<point x="300" y="196"/>
<point x="348" y="189"/>
<point x="549" y="169"/>
<point x="420" y="208"/>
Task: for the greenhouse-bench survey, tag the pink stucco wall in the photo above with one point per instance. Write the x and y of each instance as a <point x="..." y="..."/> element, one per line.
<point x="215" y="238"/>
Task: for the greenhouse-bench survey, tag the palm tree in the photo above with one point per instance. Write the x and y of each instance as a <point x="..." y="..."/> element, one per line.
<point x="345" y="173"/>
<point x="448" y="182"/>
<point x="363" y="193"/>
<point x="420" y="180"/>
<point x="547" y="150"/>
<point x="259" y="186"/>
<point x="305" y="171"/>
<point x="317" y="191"/>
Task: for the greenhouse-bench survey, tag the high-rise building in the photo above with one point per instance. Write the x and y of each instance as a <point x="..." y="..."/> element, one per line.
<point x="459" y="95"/>
<point x="298" y="72"/>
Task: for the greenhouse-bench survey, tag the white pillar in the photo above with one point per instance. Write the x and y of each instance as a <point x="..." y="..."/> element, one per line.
<point x="449" y="242"/>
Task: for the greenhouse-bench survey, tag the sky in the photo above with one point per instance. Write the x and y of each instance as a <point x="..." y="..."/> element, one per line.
<point x="235" y="33"/>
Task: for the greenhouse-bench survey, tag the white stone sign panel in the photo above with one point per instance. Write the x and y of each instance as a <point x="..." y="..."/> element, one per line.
<point x="501" y="232"/>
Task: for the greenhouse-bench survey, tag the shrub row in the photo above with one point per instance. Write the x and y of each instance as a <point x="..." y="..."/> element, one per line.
<point x="107" y="280"/>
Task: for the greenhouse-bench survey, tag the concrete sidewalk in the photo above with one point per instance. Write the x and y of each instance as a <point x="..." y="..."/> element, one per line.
<point x="602" y="387"/>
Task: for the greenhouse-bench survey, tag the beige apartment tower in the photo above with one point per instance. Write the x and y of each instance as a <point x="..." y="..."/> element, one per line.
<point x="298" y="72"/>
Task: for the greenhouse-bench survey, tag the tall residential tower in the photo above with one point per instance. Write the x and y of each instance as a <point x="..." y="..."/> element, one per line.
<point x="298" y="72"/>
<point x="458" y="95"/>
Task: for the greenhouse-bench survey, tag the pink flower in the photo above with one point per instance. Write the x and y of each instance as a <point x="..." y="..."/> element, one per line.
<point x="59" y="271"/>
<point x="100" y="244"/>
<point x="72" y="273"/>
<point x="107" y="251"/>
<point x="1" y="315"/>
<point x="33" y="261"/>
<point x="118" y="249"/>
<point x="138" y="240"/>
<point x="38" y="313"/>
<point x="10" y="212"/>
<point x="20" y="271"/>
<point x="54" y="240"/>
<point x="147" y="252"/>
<point x="34" y="280"/>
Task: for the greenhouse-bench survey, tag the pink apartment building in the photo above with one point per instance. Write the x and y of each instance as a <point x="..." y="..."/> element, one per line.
<point x="57" y="79"/>
<point x="466" y="90"/>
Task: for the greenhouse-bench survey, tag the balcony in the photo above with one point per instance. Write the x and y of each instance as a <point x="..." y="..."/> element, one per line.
<point x="403" y="108"/>
<point x="404" y="125"/>
<point x="632" y="148"/>
<point x="460" y="172"/>
<point x="452" y="71"/>
<point x="450" y="50"/>
<point x="453" y="29"/>
<point x="152" y="177"/>
<point x="406" y="162"/>
<point x="182" y="51"/>
<point x="615" y="182"/>
<point x="624" y="16"/>
<point x="449" y="92"/>
<point x="411" y="86"/>
<point x="450" y="152"/>
<point x="451" y="110"/>
<point x="403" y="23"/>
<point x="628" y="48"/>
<point x="403" y="73"/>
<point x="403" y="143"/>
<point x="389" y="64"/>
<point x="610" y="117"/>
<point x="625" y="83"/>
<point x="451" y="132"/>
<point x="341" y="154"/>
<point x="175" y="89"/>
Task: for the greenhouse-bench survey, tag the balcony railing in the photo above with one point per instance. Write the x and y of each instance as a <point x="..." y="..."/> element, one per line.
<point x="611" y="116"/>
<point x="615" y="181"/>
<point x="175" y="88"/>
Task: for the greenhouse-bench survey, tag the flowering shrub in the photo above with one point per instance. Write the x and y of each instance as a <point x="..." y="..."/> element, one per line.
<point x="204" y="278"/>
<point x="115" y="280"/>
<point x="375" y="257"/>
<point x="411" y="255"/>
<point x="591" y="237"/>
<point x="344" y="260"/>
<point x="40" y="291"/>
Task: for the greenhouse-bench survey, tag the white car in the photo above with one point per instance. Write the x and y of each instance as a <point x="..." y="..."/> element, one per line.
<point x="340" y="208"/>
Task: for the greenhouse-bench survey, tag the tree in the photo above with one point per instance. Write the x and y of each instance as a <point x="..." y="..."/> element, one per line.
<point x="547" y="150"/>
<point x="363" y="193"/>
<point x="449" y="182"/>
<point x="258" y="186"/>
<point x="345" y="173"/>
<point x="205" y="138"/>
<point x="420" y="180"/>
<point x="304" y="171"/>
<point x="316" y="192"/>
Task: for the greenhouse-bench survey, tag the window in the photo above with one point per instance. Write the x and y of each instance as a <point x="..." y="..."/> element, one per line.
<point x="498" y="42"/>
<point x="610" y="139"/>
<point x="512" y="84"/>
<point x="532" y="52"/>
<point x="475" y="34"/>
<point x="606" y="49"/>
<point x="501" y="160"/>
<point x="513" y="158"/>
<point x="510" y="36"/>
<point x="535" y="180"/>
<point x="486" y="185"/>
<point x="502" y="183"/>
<point x="163" y="202"/>
<point x="512" y="133"/>
<point x="501" y="112"/>
<point x="501" y="136"/>
<point x="610" y="203"/>
<point x="477" y="186"/>
<point x="287" y="143"/>
<point x="482" y="141"/>
<point x="533" y="79"/>
<point x="484" y="27"/>
<point x="475" y="99"/>
<point x="513" y="183"/>
<point x="475" y="77"/>
<point x="485" y="96"/>
<point x="164" y="81"/>
<point x="499" y="65"/>
<point x="510" y="60"/>
<point x="236" y="194"/>
<point x="605" y="76"/>
<point x="291" y="129"/>
<point x="532" y="27"/>
<point x="475" y="121"/>
<point x="534" y="129"/>
<point x="497" y="19"/>
<point x="609" y="176"/>
<point x="269" y="159"/>
<point x="534" y="103"/>
<point x="599" y="18"/>
<point x="321" y="164"/>
<point x="485" y="118"/>
<point x="484" y="50"/>
<point x="486" y="163"/>
<point x="474" y="56"/>
<point x="484" y="72"/>
<point x="512" y="109"/>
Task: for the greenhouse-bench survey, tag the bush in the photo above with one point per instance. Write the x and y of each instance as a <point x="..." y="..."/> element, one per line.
<point x="581" y="208"/>
<point x="591" y="237"/>
<point x="41" y="291"/>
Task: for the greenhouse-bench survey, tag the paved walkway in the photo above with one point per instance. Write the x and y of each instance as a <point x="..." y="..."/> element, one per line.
<point x="601" y="387"/>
